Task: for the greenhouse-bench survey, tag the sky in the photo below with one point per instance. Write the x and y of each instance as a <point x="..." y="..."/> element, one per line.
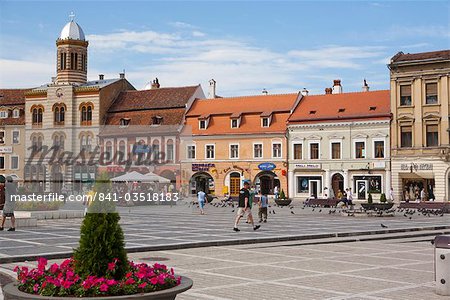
<point x="246" y="46"/>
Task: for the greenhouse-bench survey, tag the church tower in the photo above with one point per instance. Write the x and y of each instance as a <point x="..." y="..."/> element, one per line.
<point x="71" y="54"/>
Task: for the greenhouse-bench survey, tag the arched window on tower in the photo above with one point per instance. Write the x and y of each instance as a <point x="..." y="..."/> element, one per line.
<point x="76" y="61"/>
<point x="72" y="61"/>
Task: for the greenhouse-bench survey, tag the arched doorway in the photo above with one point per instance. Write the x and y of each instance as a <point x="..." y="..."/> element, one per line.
<point x="266" y="181"/>
<point x="337" y="183"/>
<point x="202" y="181"/>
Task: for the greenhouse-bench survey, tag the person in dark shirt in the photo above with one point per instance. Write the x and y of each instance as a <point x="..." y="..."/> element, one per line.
<point x="244" y="207"/>
<point x="10" y="201"/>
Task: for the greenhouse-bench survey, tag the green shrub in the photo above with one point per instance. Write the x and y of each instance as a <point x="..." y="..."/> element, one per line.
<point x="369" y="199"/>
<point x="38" y="205"/>
<point x="282" y="195"/>
<point x="101" y="237"/>
<point x="383" y="198"/>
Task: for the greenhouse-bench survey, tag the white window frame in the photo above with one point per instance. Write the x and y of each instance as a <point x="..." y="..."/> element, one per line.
<point x="238" y="122"/>
<point x="309" y="148"/>
<point x="229" y="150"/>
<point x="12" y="137"/>
<point x="281" y="149"/>
<point x="269" y="120"/>
<point x="173" y="150"/>
<point x="293" y="148"/>
<point x="195" y="151"/>
<point x="262" y="150"/>
<point x="3" y="114"/>
<point x="331" y="149"/>
<point x="16" y="113"/>
<point x="11" y="164"/>
<point x="373" y="147"/>
<point x="206" y="151"/>
<point x="118" y="148"/>
<point x="354" y="148"/>
<point x="4" y="162"/>
<point x="206" y="123"/>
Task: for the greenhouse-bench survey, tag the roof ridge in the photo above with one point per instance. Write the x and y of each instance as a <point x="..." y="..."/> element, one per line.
<point x="248" y="96"/>
<point x="354" y="92"/>
<point x="164" y="88"/>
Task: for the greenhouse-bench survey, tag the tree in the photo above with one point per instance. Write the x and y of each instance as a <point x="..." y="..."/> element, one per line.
<point x="282" y="195"/>
<point x="383" y="198"/>
<point x="369" y="199"/>
<point x="101" y="237"/>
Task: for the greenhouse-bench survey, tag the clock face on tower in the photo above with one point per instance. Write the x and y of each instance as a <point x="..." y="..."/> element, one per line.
<point x="59" y="93"/>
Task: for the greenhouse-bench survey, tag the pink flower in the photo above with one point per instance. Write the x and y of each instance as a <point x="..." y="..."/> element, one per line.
<point x="142" y="285"/>
<point x="42" y="262"/>
<point x="161" y="279"/>
<point x="104" y="288"/>
<point x="70" y="274"/>
<point x="129" y="281"/>
<point x="128" y="275"/>
<point x="111" y="266"/>
<point x="154" y="280"/>
<point x="36" y="287"/>
<point x="111" y="282"/>
<point x="54" y="268"/>
<point x="178" y="280"/>
<point x="140" y="275"/>
<point x="16" y="268"/>
<point x="67" y="284"/>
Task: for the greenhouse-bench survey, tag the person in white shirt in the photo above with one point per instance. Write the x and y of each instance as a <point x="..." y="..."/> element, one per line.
<point x="391" y="195"/>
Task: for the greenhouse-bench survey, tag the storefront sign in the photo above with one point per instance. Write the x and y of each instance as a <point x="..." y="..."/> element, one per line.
<point x="115" y="169"/>
<point x="6" y="149"/>
<point x="202" y="167"/>
<point x="267" y="166"/>
<point x="378" y="165"/>
<point x="308" y="166"/>
<point x="417" y="167"/>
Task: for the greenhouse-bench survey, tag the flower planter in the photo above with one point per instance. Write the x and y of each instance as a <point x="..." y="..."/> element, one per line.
<point x="377" y="206"/>
<point x="11" y="292"/>
<point x="283" y="202"/>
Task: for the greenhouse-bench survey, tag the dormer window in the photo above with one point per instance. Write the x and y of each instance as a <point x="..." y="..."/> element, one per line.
<point x="16" y="113"/>
<point x="157" y="120"/>
<point x="234" y="123"/>
<point x="266" y="119"/>
<point x="203" y="122"/>
<point x="3" y="114"/>
<point x="373" y="108"/>
<point x="124" y="122"/>
<point x="312" y="112"/>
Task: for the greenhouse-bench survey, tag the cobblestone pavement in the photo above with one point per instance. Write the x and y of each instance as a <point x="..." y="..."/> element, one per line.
<point x="182" y="224"/>
<point x="394" y="269"/>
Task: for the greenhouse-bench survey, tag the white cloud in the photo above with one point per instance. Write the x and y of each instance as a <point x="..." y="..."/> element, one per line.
<point x="197" y="33"/>
<point x="182" y="25"/>
<point x="24" y="74"/>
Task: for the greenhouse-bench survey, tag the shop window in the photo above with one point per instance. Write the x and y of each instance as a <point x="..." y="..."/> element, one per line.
<point x="303" y="183"/>
<point x="406" y="136"/>
<point x="257" y="150"/>
<point x="405" y="95"/>
<point x="431" y="93"/>
<point x="314" y="151"/>
<point x="432" y="136"/>
<point x="360" y="150"/>
<point x="335" y="150"/>
<point x="298" y="151"/>
<point x="379" y="149"/>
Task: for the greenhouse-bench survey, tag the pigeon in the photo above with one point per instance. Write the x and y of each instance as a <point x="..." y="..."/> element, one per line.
<point x="383" y="226"/>
<point x="232" y="210"/>
<point x="292" y="212"/>
<point x="273" y="211"/>
<point x="410" y="218"/>
<point x="320" y="210"/>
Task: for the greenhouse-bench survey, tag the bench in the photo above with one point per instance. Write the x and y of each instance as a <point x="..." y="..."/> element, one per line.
<point x="330" y="202"/>
<point x="443" y="206"/>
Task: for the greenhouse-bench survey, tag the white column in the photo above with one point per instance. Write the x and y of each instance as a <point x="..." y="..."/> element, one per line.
<point x="291" y="183"/>
<point x="327" y="182"/>
<point x="387" y="189"/>
<point x="345" y="179"/>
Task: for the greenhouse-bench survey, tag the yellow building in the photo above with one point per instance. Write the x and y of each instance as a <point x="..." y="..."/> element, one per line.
<point x="232" y="140"/>
<point x="420" y="104"/>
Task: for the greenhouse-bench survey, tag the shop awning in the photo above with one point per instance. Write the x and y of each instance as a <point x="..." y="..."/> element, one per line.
<point x="417" y="175"/>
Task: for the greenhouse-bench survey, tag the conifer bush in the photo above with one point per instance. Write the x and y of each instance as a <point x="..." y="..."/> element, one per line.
<point x="101" y="237"/>
<point x="282" y="195"/>
<point x="383" y="198"/>
<point x="369" y="199"/>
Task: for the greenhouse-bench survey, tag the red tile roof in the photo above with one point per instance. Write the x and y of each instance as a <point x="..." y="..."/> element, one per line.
<point x="12" y="96"/>
<point x="245" y="104"/>
<point x="248" y="108"/>
<point x="153" y="99"/>
<point x="172" y="116"/>
<point x="339" y="107"/>
<point x="401" y="57"/>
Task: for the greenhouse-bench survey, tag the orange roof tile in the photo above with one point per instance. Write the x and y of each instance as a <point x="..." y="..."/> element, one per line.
<point x="339" y="107"/>
<point x="245" y="104"/>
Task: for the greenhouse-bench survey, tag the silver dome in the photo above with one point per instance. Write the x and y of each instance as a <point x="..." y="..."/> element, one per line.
<point x="72" y="31"/>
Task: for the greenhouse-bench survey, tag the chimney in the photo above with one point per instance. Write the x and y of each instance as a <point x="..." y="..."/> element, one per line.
<point x="265" y="92"/>
<point x="365" y="87"/>
<point x="212" y="89"/>
<point x="328" y="91"/>
<point x="337" y="88"/>
<point x="122" y="75"/>
<point x="101" y="77"/>
<point x="305" y="92"/>
<point x="155" y="83"/>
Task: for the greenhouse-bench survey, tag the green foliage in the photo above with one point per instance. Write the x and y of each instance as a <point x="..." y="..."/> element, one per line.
<point x="369" y="199"/>
<point x="282" y="195"/>
<point x="101" y="237"/>
<point x="37" y="206"/>
<point x="383" y="198"/>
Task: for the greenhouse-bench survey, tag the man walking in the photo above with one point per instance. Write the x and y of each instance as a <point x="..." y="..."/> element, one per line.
<point x="243" y="207"/>
<point x="10" y="201"/>
<point x="201" y="197"/>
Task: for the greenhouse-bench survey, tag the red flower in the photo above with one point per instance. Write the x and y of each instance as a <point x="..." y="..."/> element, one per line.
<point x="54" y="268"/>
<point x="129" y="281"/>
<point x="36" y="287"/>
<point x="154" y="280"/>
<point x="111" y="266"/>
<point x="42" y="262"/>
<point x="142" y="285"/>
<point x="128" y="275"/>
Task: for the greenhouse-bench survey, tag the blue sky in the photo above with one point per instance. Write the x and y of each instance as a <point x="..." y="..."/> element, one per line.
<point x="244" y="45"/>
